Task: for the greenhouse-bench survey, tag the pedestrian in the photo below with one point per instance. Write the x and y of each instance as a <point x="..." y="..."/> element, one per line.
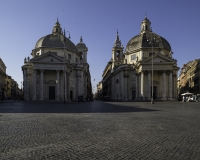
<point x="183" y="100"/>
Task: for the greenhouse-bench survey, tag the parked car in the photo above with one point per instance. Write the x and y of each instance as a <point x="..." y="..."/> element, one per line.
<point x="80" y="99"/>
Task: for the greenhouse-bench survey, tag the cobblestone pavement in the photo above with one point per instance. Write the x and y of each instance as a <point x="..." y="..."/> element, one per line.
<point x="100" y="130"/>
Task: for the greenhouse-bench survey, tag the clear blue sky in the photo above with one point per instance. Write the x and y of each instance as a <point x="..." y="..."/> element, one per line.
<point x="23" y="22"/>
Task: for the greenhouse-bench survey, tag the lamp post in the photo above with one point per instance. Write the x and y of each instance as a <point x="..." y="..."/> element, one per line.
<point x="64" y="74"/>
<point x="152" y="41"/>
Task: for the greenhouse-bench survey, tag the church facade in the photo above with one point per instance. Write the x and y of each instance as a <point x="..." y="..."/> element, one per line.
<point x="58" y="69"/>
<point x="146" y="69"/>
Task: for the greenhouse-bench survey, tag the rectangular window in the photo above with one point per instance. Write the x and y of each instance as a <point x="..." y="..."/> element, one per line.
<point x="133" y="57"/>
<point x="69" y="57"/>
<point x="150" y="54"/>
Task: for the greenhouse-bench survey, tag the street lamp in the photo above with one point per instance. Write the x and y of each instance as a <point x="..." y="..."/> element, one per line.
<point x="64" y="56"/>
<point x="152" y="41"/>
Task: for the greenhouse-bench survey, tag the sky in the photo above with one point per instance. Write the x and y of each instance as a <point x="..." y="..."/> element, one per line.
<point x="23" y="22"/>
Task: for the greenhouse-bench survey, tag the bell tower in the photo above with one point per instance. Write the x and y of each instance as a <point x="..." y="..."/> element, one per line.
<point x="82" y="50"/>
<point x="117" y="52"/>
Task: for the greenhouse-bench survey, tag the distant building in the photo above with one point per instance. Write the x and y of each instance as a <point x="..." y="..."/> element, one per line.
<point x="2" y="79"/>
<point x="189" y="78"/>
<point x="128" y="75"/>
<point x="58" y="69"/>
<point x="99" y="91"/>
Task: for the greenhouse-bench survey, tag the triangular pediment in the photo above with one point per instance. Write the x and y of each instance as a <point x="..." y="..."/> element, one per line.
<point x="157" y="59"/>
<point x="48" y="57"/>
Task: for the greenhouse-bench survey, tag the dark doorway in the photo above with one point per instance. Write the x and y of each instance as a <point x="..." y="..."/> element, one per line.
<point x="133" y="94"/>
<point x="71" y="95"/>
<point x="154" y="92"/>
<point x="51" y="92"/>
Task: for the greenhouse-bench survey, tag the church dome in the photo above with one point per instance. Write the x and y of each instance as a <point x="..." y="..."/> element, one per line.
<point x="56" y="39"/>
<point x="144" y="38"/>
<point x="141" y="41"/>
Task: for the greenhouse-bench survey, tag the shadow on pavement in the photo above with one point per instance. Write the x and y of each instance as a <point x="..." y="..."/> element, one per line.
<point x="68" y="107"/>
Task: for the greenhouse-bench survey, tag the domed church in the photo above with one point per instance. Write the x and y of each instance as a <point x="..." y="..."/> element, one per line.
<point x="57" y="69"/>
<point x="146" y="69"/>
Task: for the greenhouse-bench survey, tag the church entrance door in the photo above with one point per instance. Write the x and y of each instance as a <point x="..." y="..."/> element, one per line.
<point x="51" y="92"/>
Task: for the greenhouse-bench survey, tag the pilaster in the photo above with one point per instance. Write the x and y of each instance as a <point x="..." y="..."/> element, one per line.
<point x="41" y="85"/>
<point x="34" y="84"/>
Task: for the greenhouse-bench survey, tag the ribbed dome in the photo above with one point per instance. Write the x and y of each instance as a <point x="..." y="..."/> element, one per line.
<point x="141" y="41"/>
<point x="55" y="41"/>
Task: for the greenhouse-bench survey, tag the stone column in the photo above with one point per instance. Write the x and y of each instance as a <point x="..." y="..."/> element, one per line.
<point x="122" y="86"/>
<point x="170" y="84"/>
<point x="58" y="84"/>
<point x="164" y="85"/>
<point x="64" y="85"/>
<point x="126" y="86"/>
<point x="149" y="84"/>
<point x="136" y="85"/>
<point x="25" y="84"/>
<point x="34" y="84"/>
<point x="113" y="86"/>
<point x="142" y="84"/>
<point x="78" y="83"/>
<point x="175" y="86"/>
<point x="41" y="85"/>
<point x="68" y="86"/>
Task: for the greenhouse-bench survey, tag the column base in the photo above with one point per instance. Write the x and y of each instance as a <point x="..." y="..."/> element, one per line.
<point x="164" y="99"/>
<point x="34" y="98"/>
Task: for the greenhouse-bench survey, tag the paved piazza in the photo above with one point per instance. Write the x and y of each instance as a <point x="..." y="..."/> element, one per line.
<point x="100" y="130"/>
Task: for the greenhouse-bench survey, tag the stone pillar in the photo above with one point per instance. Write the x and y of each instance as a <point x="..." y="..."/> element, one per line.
<point x="175" y="86"/>
<point x="113" y="86"/>
<point x="170" y="84"/>
<point x="34" y="84"/>
<point x="68" y="87"/>
<point x="142" y="84"/>
<point x="64" y="85"/>
<point x="149" y="84"/>
<point x="41" y="85"/>
<point x="164" y="85"/>
<point x="78" y="83"/>
<point x="137" y="85"/>
<point x="122" y="86"/>
<point x="25" y="84"/>
<point x="126" y="86"/>
<point x="57" y="85"/>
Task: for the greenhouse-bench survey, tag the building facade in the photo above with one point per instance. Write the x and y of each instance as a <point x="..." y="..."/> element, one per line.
<point x="145" y="69"/>
<point x="58" y="69"/>
<point x="2" y="79"/>
<point x="189" y="78"/>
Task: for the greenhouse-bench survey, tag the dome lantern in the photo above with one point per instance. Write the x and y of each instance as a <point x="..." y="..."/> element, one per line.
<point x="145" y="25"/>
<point x="57" y="29"/>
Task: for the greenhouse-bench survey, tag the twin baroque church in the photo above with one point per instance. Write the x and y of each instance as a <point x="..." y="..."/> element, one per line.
<point x="58" y="69"/>
<point x="147" y="64"/>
